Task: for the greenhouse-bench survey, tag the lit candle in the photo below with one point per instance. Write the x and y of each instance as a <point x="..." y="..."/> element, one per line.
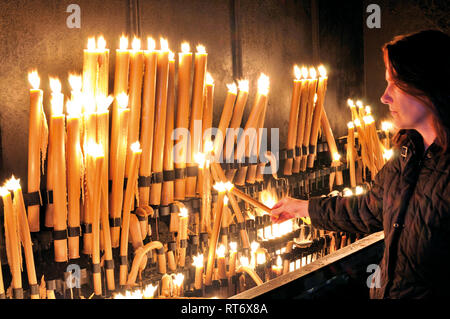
<point x="182" y="234"/>
<point x="317" y="113"/>
<point x="37" y="145"/>
<point x="353" y="110"/>
<point x="119" y="133"/>
<point x="277" y="269"/>
<point x="24" y="230"/>
<point x="103" y="67"/>
<point x="312" y="86"/>
<point x="95" y="159"/>
<point x="375" y="141"/>
<point x="90" y="64"/>
<point x="178" y="284"/>
<point x="225" y="119"/>
<point x="198" y="263"/>
<point x="57" y="137"/>
<point x="200" y="159"/>
<point x="365" y="154"/>
<point x="221" y="262"/>
<point x="200" y="62"/>
<point x="361" y="109"/>
<point x="162" y="79"/>
<point x="293" y="119"/>
<point x="233" y="258"/>
<point x="304" y="94"/>
<point x="182" y="118"/>
<point x="386" y="127"/>
<point x="13" y="248"/>
<point x="134" y="97"/>
<point x="244" y="145"/>
<point x="121" y="69"/>
<point x="148" y="118"/>
<point x="351" y="153"/>
<point x="74" y="173"/>
<point x="127" y="204"/>
<point x="168" y="185"/>
<point x="236" y="119"/>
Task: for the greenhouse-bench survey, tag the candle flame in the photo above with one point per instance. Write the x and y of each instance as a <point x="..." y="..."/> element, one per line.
<point x="347" y="192"/>
<point x="198" y="261"/>
<point x="386" y="126"/>
<point x="387" y="154"/>
<point x="55" y="85"/>
<point x="4" y="191"/>
<point x="171" y="56"/>
<point x="368" y="119"/>
<point x="351" y="103"/>
<point x="151" y="44"/>
<point x="33" y="78"/>
<point x="279" y="261"/>
<point x="357" y="122"/>
<point x="73" y="108"/>
<point x="149" y="291"/>
<point x="201" y="49"/>
<point x="164" y="44"/>
<point x="232" y="88"/>
<point x="244" y="261"/>
<point x="136" y="44"/>
<point x="209" y="79"/>
<point x="136" y="147"/>
<point x="315" y="97"/>
<point x="312" y="73"/>
<point x="91" y="44"/>
<point x="179" y="278"/>
<point x="222" y="187"/>
<point x="359" y="190"/>
<point x="305" y="72"/>
<point x="263" y="84"/>
<point x="75" y="81"/>
<point x="336" y="156"/>
<point x="129" y="295"/>
<point x="225" y="200"/>
<point x="101" y="43"/>
<point x="13" y="184"/>
<point x="243" y="85"/>
<point x="122" y="99"/>
<point x="123" y="43"/>
<point x="359" y="104"/>
<point x="233" y="246"/>
<point x="200" y="159"/>
<point x="368" y="110"/>
<point x="297" y="72"/>
<point x="208" y="146"/>
<point x="260" y="258"/>
<point x="268" y="198"/>
<point x="183" y="212"/>
<point x="254" y="246"/>
<point x="221" y="251"/>
<point x="94" y="150"/>
<point x="185" y="47"/>
<point x="322" y="71"/>
<point x="350" y="125"/>
<point x="103" y="102"/>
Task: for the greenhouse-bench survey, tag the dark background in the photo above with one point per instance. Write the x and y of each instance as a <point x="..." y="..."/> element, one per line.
<point x="243" y="38"/>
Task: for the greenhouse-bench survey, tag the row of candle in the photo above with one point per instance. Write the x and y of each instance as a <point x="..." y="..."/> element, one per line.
<point x="307" y="116"/>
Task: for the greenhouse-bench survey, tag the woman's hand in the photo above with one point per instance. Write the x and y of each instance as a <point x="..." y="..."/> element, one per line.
<point x="288" y="208"/>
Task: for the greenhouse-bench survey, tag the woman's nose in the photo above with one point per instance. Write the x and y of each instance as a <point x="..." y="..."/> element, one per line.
<point x="386" y="98"/>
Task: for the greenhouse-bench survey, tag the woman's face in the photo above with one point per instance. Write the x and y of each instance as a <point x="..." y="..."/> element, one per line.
<point x="407" y="111"/>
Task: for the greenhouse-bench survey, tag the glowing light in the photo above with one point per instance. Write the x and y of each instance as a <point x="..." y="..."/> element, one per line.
<point x="387" y="154"/>
<point x="312" y="73"/>
<point x="136" y="44"/>
<point x="91" y="44"/>
<point x="13" y="184"/>
<point x="198" y="261"/>
<point x="386" y="126"/>
<point x="350" y="125"/>
<point x="232" y="88"/>
<point x="225" y="200"/>
<point x="244" y="261"/>
<point x="171" y="56"/>
<point x="357" y="122"/>
<point x="233" y="246"/>
<point x="297" y="72"/>
<point x="347" y="192"/>
<point x="4" y="191"/>
<point x="151" y="44"/>
<point x="305" y="72"/>
<point x="55" y="85"/>
<point x="164" y="44"/>
<point x="359" y="190"/>
<point x="183" y="212"/>
<point x="149" y="291"/>
<point x="336" y="156"/>
<point x="263" y="84"/>
<point x="101" y="43"/>
<point x="359" y="104"/>
<point x="200" y="159"/>
<point x="103" y="102"/>
<point x="73" y="108"/>
<point x="260" y="258"/>
<point x="254" y="246"/>
<point x="322" y="71"/>
<point x="75" y="81"/>
<point x="122" y="99"/>
<point x="208" y="146"/>
<point x="222" y="187"/>
<point x="185" y="47"/>
<point x="221" y="251"/>
<point x="123" y="43"/>
<point x="368" y="110"/>
<point x="279" y="261"/>
<point x="94" y="150"/>
<point x="136" y="147"/>
<point x="351" y="103"/>
<point x="209" y="79"/>
<point x="368" y="119"/>
<point x="243" y="85"/>
<point x="267" y="198"/>
<point x="201" y="49"/>
<point x="57" y="99"/>
<point x="33" y="78"/>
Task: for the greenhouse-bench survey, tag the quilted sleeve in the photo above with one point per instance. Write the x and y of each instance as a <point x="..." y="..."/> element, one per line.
<point x="356" y="214"/>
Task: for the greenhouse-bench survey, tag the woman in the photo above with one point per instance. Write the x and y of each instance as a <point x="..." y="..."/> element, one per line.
<point x="410" y="196"/>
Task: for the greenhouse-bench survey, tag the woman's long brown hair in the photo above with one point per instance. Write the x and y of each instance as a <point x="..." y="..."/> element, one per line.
<point x="419" y="64"/>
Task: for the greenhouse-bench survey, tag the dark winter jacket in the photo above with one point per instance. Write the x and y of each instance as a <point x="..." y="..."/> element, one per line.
<point x="410" y="201"/>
